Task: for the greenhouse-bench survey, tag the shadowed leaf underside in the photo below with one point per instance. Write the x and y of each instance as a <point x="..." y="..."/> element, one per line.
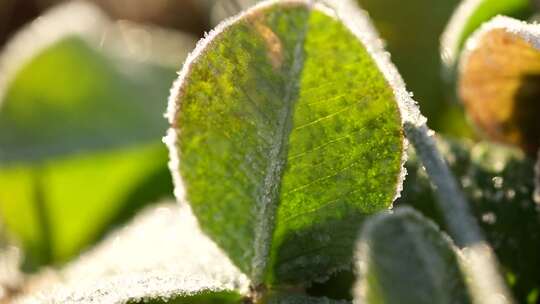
<point x="403" y="258"/>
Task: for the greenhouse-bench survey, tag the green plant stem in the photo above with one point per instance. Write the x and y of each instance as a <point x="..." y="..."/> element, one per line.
<point x="42" y="217"/>
<point x="452" y="201"/>
<point x="479" y="263"/>
<point x="536" y="195"/>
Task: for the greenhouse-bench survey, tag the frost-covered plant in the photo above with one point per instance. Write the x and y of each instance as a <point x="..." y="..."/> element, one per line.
<point x="290" y="137"/>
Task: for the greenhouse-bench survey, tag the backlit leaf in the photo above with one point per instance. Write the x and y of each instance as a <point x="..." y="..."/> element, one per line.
<point x="284" y="145"/>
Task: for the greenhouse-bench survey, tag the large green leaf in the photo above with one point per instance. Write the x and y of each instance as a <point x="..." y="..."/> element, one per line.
<point x="80" y="129"/>
<point x="404" y="258"/>
<point x="286" y="133"/>
<point x="161" y="256"/>
<point x="469" y="16"/>
<point x="498" y="182"/>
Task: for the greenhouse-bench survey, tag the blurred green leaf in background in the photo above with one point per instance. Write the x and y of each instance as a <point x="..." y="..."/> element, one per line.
<point x="81" y="124"/>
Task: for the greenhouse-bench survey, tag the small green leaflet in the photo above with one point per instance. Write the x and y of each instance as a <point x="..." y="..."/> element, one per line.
<point x="80" y="129"/>
<point x="404" y="258"/>
<point x="286" y="132"/>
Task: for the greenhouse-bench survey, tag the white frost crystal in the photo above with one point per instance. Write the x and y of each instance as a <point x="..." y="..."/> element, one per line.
<point x="530" y="32"/>
<point x="161" y="254"/>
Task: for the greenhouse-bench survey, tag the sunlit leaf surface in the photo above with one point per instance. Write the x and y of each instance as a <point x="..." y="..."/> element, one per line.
<point x="285" y="144"/>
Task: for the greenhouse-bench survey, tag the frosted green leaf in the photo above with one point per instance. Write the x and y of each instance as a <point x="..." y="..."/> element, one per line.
<point x="470" y="15"/>
<point x="286" y="133"/>
<point x="404" y="258"/>
<point x="498" y="82"/>
<point x="81" y="104"/>
<point x="160" y="257"/>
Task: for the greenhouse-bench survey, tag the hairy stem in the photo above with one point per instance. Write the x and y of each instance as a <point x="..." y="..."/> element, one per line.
<point x="452" y="202"/>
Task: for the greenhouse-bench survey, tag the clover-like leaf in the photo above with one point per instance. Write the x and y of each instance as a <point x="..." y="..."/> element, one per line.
<point x="498" y="182"/>
<point x="286" y="133"/>
<point x="80" y="128"/>
<point x="404" y="258"/>
<point x="499" y="82"/>
<point x="159" y="257"/>
<point x="469" y="16"/>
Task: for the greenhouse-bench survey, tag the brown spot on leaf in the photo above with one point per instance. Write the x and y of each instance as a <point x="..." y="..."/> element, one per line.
<point x="500" y="87"/>
<point x="274" y="47"/>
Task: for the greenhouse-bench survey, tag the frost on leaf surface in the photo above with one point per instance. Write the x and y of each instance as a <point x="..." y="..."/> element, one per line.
<point x="499" y="81"/>
<point x="161" y="254"/>
<point x="81" y="123"/>
<point x="469" y="16"/>
<point x="286" y="133"/>
<point x="407" y="248"/>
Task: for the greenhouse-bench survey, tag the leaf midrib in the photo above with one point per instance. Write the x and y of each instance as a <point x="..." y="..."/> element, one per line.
<point x="268" y="201"/>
